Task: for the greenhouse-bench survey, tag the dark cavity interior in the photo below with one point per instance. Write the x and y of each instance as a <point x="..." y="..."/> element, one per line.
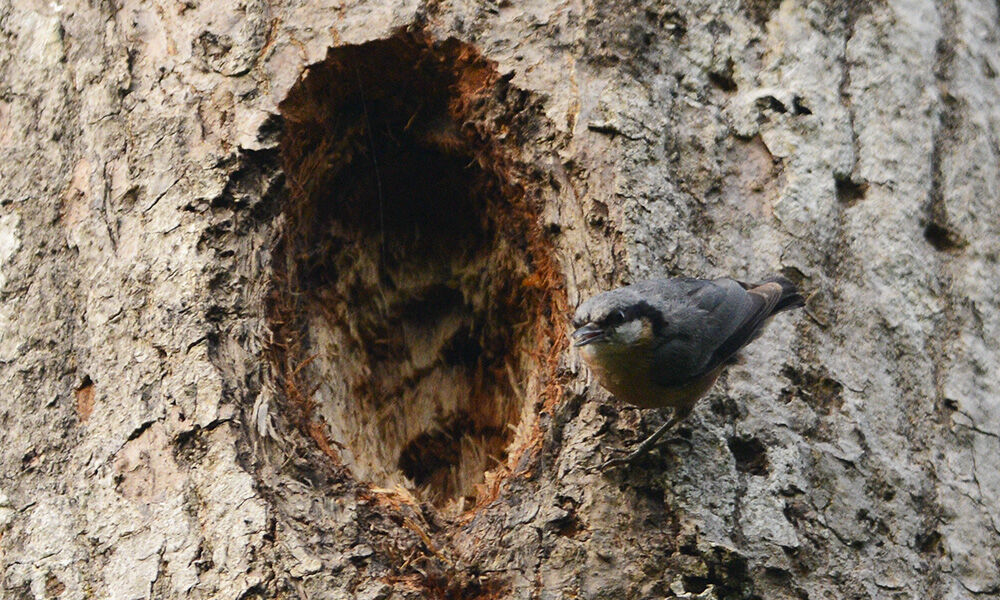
<point x="413" y="291"/>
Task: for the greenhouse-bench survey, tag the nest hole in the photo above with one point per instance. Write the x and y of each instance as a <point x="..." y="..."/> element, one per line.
<point x="415" y="294"/>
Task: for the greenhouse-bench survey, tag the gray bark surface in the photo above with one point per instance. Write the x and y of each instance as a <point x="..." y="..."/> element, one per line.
<point x="165" y="434"/>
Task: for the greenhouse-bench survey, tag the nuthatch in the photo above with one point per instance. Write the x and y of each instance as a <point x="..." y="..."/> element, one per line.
<point x="663" y="342"/>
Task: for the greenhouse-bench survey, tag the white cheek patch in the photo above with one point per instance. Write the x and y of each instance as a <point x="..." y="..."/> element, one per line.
<point x="628" y="333"/>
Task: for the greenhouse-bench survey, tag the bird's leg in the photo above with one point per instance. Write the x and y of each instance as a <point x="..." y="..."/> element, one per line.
<point x="676" y="416"/>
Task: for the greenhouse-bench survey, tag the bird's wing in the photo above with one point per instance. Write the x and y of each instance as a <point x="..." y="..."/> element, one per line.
<point x="748" y="314"/>
<point x="721" y="318"/>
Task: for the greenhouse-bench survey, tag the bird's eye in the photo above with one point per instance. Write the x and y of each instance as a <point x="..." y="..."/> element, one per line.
<point x="616" y="318"/>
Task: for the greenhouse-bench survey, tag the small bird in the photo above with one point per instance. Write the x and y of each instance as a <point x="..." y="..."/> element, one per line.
<point x="663" y="342"/>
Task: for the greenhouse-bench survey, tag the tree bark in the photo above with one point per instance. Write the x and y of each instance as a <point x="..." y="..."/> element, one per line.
<point x="286" y="289"/>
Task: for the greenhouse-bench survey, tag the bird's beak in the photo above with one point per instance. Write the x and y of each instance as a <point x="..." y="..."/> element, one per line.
<point x="590" y="332"/>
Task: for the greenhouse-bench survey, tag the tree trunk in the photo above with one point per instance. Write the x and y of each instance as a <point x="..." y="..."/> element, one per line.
<point x="286" y="289"/>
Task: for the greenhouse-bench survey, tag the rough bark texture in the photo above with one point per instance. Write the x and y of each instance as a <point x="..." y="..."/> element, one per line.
<point x="279" y="281"/>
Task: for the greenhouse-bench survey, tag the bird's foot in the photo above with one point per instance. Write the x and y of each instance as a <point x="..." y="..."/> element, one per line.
<point x="640" y="450"/>
<point x="619" y="461"/>
<point x="644" y="447"/>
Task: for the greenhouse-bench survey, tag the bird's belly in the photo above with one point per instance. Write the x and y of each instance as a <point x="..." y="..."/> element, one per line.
<point x="632" y="381"/>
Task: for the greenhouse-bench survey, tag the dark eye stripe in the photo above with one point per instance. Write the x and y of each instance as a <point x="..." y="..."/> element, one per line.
<point x="616" y="318"/>
<point x="655" y="317"/>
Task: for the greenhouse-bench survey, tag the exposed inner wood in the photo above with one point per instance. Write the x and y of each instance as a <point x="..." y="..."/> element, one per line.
<point x="410" y="297"/>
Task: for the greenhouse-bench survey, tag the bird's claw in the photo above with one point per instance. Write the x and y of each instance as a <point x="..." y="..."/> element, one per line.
<point x="613" y="463"/>
<point x="618" y="461"/>
<point x="641" y="449"/>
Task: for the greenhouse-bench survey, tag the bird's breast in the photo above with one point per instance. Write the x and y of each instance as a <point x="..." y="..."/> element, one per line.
<point x="629" y="376"/>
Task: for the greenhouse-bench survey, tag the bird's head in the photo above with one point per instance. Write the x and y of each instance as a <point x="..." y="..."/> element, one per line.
<point x="615" y="320"/>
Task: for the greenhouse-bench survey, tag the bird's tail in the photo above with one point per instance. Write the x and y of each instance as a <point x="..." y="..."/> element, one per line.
<point x="790" y="296"/>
